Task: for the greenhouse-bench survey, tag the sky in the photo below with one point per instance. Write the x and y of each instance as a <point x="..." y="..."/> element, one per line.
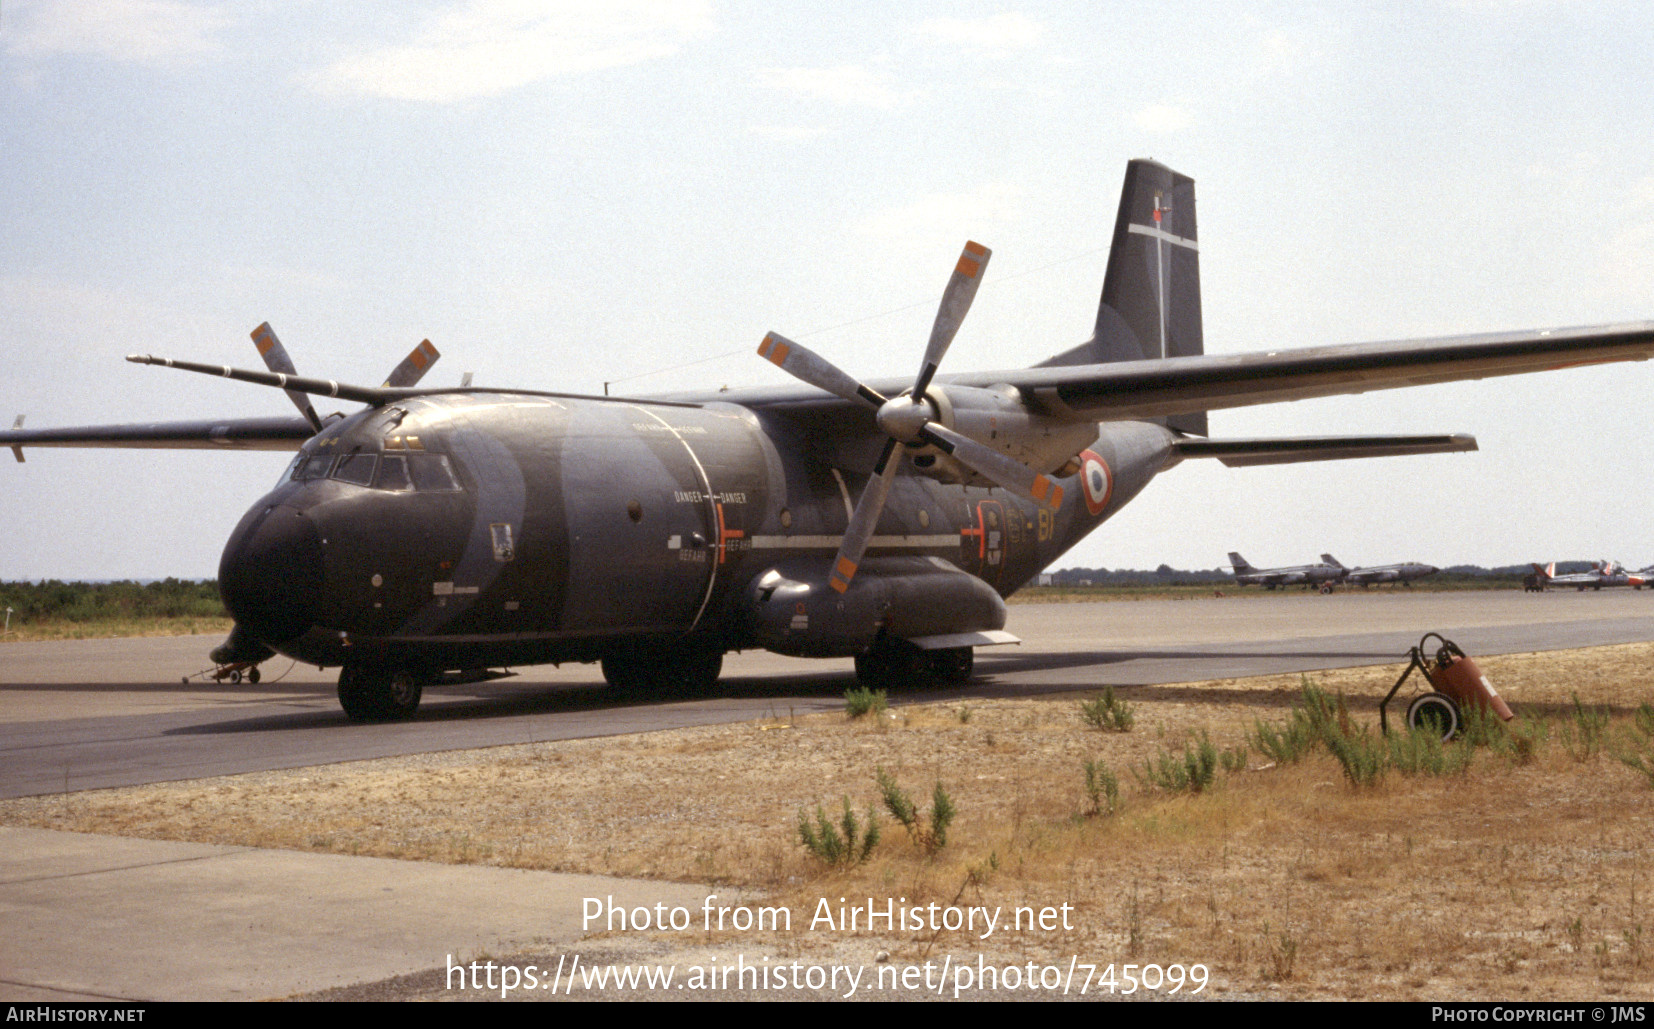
<point x="561" y="195"/>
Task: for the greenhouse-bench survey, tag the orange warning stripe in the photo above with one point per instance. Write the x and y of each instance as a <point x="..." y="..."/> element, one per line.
<point x="773" y="350"/>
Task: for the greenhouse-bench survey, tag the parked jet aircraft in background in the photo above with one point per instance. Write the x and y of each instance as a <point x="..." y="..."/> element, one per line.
<point x="1403" y="573"/>
<point x="1328" y="571"/>
<point x="1606" y="573"/>
<point x="447" y="532"/>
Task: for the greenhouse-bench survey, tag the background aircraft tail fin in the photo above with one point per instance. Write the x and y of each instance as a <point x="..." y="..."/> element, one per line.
<point x="1151" y="291"/>
<point x="1329" y="559"/>
<point x="1238" y="562"/>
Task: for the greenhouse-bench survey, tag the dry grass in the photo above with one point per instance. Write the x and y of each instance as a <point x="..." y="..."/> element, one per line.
<point x="1511" y="881"/>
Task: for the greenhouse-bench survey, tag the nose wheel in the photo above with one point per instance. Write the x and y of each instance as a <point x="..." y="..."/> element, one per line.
<point x="373" y="694"/>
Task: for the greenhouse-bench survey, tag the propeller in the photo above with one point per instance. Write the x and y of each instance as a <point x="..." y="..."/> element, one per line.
<point x="909" y="418"/>
<point x="276" y="359"/>
<point x="406" y="374"/>
<point x="414" y="366"/>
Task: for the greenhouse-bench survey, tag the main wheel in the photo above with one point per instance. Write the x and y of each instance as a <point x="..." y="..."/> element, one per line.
<point x="691" y="671"/>
<point x="893" y="664"/>
<point x="675" y="671"/>
<point x="402" y="695"/>
<point x="952" y="667"/>
<point x="1436" y="713"/>
<point x="371" y="694"/>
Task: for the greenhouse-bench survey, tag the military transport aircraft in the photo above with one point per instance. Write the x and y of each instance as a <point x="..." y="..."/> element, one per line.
<point x="447" y="532"/>
<point x="1323" y="574"/>
<point x="1606" y="573"/>
<point x="1403" y="573"/>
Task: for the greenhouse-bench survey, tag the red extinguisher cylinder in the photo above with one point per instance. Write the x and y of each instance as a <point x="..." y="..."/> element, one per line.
<point x="1465" y="683"/>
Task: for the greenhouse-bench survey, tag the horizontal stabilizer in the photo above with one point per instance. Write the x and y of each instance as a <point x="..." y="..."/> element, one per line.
<point x="1240" y="453"/>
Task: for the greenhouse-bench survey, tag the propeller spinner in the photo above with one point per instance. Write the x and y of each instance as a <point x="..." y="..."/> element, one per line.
<point x="910" y="418"/>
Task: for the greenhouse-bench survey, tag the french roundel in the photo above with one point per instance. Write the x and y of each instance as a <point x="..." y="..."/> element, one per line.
<point x="1096" y="481"/>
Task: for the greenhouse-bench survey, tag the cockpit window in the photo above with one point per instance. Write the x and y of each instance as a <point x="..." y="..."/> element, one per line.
<point x="292" y="466"/>
<point x="396" y="473"/>
<point x="310" y="466"/>
<point x="393" y="473"/>
<point x="356" y="468"/>
<point x="432" y="472"/>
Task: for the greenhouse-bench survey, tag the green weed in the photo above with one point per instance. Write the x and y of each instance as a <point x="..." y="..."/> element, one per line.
<point x="1103" y="789"/>
<point x="859" y="701"/>
<point x="1362" y="755"/>
<point x="1585" y="731"/>
<point x="931" y="837"/>
<point x="1108" y="713"/>
<point x="1422" y="752"/>
<point x="1194" y="771"/>
<point x="848" y="843"/>
<point x="1284" y="744"/>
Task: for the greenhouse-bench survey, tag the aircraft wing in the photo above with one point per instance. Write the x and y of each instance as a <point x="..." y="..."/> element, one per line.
<point x="1241" y="453"/>
<point x="1177" y="385"/>
<point x="218" y="434"/>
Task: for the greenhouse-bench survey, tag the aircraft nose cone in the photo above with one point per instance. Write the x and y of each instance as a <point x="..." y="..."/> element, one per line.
<point x="271" y="573"/>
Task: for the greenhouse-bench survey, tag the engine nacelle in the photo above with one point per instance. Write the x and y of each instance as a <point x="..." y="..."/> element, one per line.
<point x="997" y="417"/>
<point x="795" y="612"/>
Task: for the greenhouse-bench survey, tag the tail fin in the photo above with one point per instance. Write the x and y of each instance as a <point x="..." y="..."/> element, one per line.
<point x="1329" y="559"/>
<point x="1151" y="292"/>
<point x="1238" y="562"/>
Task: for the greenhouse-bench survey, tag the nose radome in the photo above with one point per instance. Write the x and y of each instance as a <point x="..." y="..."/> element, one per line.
<point x="271" y="573"/>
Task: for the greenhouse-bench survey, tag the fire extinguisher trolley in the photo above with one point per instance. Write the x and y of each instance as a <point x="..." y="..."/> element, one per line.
<point x="1457" y="684"/>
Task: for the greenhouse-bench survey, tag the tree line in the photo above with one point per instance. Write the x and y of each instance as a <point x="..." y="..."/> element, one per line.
<point x="104" y="601"/>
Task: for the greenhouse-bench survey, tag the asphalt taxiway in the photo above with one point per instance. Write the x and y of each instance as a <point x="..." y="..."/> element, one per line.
<point x="96" y="713"/>
<point x="92" y="917"/>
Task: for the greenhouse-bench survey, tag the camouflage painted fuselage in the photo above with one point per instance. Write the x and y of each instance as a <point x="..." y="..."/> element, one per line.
<point x="562" y="530"/>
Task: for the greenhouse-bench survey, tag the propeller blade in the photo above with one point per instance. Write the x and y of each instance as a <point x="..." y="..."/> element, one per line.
<point x="1008" y="472"/>
<point x="276" y="359"/>
<point x="865" y="518"/>
<point x="816" y="370"/>
<point x="956" y="301"/>
<point x="414" y="366"/>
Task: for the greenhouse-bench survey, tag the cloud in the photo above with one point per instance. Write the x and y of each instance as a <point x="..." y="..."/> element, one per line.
<point x="1163" y="118"/>
<point x="488" y="47"/>
<point x="848" y="85"/>
<point x="994" y="36"/>
<point x="152" y="32"/>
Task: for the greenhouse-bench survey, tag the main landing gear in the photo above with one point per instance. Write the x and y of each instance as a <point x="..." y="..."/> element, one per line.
<point x="374" y="694"/>
<point x="687" y="671"/>
<point x="896" y="663"/>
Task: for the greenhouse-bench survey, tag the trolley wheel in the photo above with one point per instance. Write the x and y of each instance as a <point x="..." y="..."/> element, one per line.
<point x="235" y="678"/>
<point x="1435" y="713"/>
